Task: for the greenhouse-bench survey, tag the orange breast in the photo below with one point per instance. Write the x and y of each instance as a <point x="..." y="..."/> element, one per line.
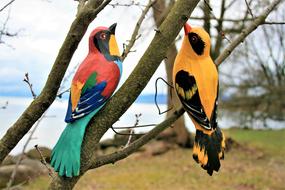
<point x="206" y="76"/>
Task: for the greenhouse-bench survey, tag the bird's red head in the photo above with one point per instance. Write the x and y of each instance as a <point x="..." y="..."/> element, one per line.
<point x="102" y="40"/>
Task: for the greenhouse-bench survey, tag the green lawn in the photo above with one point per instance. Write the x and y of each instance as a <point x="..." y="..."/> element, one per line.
<point x="258" y="164"/>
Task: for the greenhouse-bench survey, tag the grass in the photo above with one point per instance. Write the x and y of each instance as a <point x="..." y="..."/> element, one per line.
<point x="257" y="165"/>
<point x="271" y="142"/>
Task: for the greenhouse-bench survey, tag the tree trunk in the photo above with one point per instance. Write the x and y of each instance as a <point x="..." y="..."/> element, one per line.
<point x="178" y="133"/>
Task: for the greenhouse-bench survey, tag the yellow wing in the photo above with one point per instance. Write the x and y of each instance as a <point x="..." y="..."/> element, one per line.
<point x="196" y="83"/>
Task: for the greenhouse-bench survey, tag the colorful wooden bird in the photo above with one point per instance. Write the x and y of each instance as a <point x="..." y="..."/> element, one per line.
<point x="196" y="82"/>
<point x="93" y="84"/>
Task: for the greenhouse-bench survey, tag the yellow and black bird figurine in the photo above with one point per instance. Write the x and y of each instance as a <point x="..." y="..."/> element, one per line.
<point x="195" y="77"/>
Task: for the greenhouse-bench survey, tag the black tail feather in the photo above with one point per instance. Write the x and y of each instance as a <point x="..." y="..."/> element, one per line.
<point x="208" y="150"/>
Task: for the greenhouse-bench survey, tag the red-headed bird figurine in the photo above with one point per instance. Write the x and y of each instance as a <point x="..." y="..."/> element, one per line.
<point x="93" y="84"/>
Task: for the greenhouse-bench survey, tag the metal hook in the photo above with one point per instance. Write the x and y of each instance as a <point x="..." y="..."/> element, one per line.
<point x="155" y="95"/>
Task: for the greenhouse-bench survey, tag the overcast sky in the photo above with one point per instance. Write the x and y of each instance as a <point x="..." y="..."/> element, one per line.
<point x="42" y="27"/>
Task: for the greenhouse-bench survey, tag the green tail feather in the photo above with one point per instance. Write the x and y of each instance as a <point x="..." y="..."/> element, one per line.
<point x="66" y="153"/>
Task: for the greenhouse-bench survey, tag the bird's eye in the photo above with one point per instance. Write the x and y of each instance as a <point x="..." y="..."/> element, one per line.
<point x="194" y="39"/>
<point x="103" y="36"/>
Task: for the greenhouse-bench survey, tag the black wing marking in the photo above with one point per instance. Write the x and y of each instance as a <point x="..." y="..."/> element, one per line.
<point x="187" y="90"/>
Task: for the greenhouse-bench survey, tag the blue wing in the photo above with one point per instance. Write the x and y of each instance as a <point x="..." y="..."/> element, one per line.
<point x="90" y="100"/>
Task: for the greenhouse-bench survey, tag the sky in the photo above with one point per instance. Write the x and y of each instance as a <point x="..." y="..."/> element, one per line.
<point x="42" y="27"/>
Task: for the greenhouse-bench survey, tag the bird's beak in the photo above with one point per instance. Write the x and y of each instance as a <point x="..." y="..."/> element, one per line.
<point x="113" y="46"/>
<point x="187" y="28"/>
<point x="112" y="28"/>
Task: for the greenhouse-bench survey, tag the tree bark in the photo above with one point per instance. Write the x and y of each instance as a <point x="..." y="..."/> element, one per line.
<point x="131" y="89"/>
<point x="36" y="109"/>
<point x="178" y="132"/>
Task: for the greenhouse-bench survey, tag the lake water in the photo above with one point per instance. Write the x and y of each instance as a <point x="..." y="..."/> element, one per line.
<point x="51" y="127"/>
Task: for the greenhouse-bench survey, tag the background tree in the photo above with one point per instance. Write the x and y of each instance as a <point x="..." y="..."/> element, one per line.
<point x="258" y="85"/>
<point x="178" y="131"/>
<point x="219" y="27"/>
<point x="4" y="31"/>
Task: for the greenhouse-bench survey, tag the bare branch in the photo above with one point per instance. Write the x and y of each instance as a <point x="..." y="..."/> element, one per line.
<point x="43" y="161"/>
<point x="130" y="90"/>
<point x="237" y="20"/>
<point x="134" y="146"/>
<point x="112" y="158"/>
<point x="59" y="95"/>
<point x="239" y="39"/>
<point x="134" y="37"/>
<point x="116" y="156"/>
<point x="273" y="22"/>
<point x="249" y="9"/>
<point x="208" y="5"/>
<point x="27" y="80"/>
<point x="137" y="126"/>
<point x="132" y="3"/>
<point x="5" y="6"/>
<point x="49" y="92"/>
<point x="13" y="175"/>
<point x="5" y="32"/>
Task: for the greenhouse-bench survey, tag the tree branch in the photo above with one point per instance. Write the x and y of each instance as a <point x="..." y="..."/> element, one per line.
<point x="239" y="39"/>
<point x="273" y="22"/>
<point x="6" y="5"/>
<point x="49" y="92"/>
<point x="134" y="37"/>
<point x="130" y="90"/>
<point x="134" y="146"/>
<point x="237" y="20"/>
<point x="116" y="156"/>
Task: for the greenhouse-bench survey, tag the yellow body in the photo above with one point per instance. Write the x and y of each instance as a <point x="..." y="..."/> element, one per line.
<point x="203" y="69"/>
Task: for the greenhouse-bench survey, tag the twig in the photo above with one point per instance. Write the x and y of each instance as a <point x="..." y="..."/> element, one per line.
<point x="225" y="37"/>
<point x="208" y="5"/>
<point x="37" y="108"/>
<point x="132" y="130"/>
<point x="119" y="155"/>
<point x="27" y="80"/>
<point x="59" y="95"/>
<point x="224" y="19"/>
<point x="249" y="9"/>
<point x="240" y="38"/>
<point x="116" y="156"/>
<point x="64" y="80"/>
<point x="130" y="138"/>
<point x="273" y="22"/>
<point x="132" y="127"/>
<point x="13" y="175"/>
<point x="133" y="86"/>
<point x="135" y="35"/>
<point x="220" y="20"/>
<point x="4" y="31"/>
<point x="133" y="3"/>
<point x="43" y="161"/>
<point x="5" y="6"/>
